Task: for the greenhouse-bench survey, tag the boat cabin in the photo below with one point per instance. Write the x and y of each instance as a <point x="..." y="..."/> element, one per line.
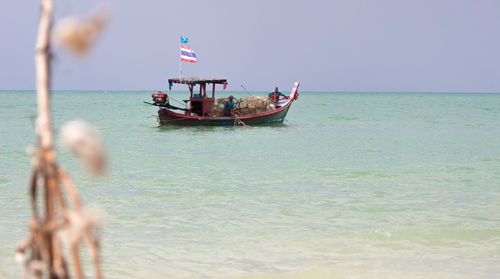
<point x="200" y="103"/>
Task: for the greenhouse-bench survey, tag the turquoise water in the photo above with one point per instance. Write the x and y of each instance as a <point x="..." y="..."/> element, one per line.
<point x="353" y="185"/>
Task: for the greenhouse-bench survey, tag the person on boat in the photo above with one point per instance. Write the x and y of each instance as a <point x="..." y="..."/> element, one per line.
<point x="275" y="95"/>
<point x="228" y="106"/>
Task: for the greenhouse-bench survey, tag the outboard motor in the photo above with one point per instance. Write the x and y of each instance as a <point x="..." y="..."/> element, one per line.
<point x="160" y="98"/>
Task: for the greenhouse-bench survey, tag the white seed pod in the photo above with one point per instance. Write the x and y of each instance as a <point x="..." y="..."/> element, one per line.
<point x="86" y="143"/>
<point x="78" y="34"/>
<point x="20" y="258"/>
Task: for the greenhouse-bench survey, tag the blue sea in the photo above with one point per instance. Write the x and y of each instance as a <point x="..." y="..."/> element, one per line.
<point x="352" y="185"/>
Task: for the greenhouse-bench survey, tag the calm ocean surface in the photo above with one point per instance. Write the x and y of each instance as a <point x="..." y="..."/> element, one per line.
<point x="353" y="185"/>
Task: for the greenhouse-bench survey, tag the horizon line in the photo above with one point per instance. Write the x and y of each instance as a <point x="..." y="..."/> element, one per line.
<point x="265" y="91"/>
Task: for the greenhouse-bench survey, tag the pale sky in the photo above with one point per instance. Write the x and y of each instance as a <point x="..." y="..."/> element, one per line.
<point x="337" y="45"/>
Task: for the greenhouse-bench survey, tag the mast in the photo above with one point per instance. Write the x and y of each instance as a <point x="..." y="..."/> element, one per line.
<point x="180" y="61"/>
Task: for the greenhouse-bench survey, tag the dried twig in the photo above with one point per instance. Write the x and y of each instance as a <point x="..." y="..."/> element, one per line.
<point x="42" y="250"/>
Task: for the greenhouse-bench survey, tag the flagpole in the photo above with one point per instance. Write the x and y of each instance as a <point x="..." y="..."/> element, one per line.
<point x="180" y="61"/>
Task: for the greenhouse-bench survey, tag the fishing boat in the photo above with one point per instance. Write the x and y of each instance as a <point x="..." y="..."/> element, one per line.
<point x="204" y="110"/>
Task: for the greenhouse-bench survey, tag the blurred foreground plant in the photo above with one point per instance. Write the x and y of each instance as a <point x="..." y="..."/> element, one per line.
<point x="43" y="251"/>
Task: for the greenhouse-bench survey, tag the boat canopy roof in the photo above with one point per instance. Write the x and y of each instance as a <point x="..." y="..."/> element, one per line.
<point x="196" y="80"/>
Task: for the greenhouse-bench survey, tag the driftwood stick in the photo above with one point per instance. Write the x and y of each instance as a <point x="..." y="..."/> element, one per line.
<point x="33" y="192"/>
<point x="59" y="261"/>
<point x="70" y="187"/>
<point x="76" y="261"/>
<point x="43" y="124"/>
<point x="49" y="232"/>
<point x="93" y="246"/>
<point x="59" y="196"/>
<point x="42" y="57"/>
<point x="38" y="253"/>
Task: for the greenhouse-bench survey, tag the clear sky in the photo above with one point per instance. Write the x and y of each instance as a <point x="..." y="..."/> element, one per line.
<point x="336" y="45"/>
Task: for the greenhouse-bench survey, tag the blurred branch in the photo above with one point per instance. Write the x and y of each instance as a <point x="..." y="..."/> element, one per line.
<point x="42" y="251"/>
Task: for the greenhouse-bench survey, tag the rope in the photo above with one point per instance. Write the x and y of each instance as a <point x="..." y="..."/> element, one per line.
<point x="236" y="118"/>
<point x="172" y="98"/>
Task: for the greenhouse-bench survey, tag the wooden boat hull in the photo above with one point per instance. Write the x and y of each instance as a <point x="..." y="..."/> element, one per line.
<point x="170" y="118"/>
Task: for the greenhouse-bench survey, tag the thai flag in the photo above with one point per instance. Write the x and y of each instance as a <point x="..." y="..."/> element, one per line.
<point x="187" y="54"/>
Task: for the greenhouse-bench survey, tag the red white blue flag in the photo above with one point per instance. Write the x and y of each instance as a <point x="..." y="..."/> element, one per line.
<point x="187" y="54"/>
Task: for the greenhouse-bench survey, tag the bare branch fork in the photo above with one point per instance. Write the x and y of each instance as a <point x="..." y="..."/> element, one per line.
<point x="42" y="251"/>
